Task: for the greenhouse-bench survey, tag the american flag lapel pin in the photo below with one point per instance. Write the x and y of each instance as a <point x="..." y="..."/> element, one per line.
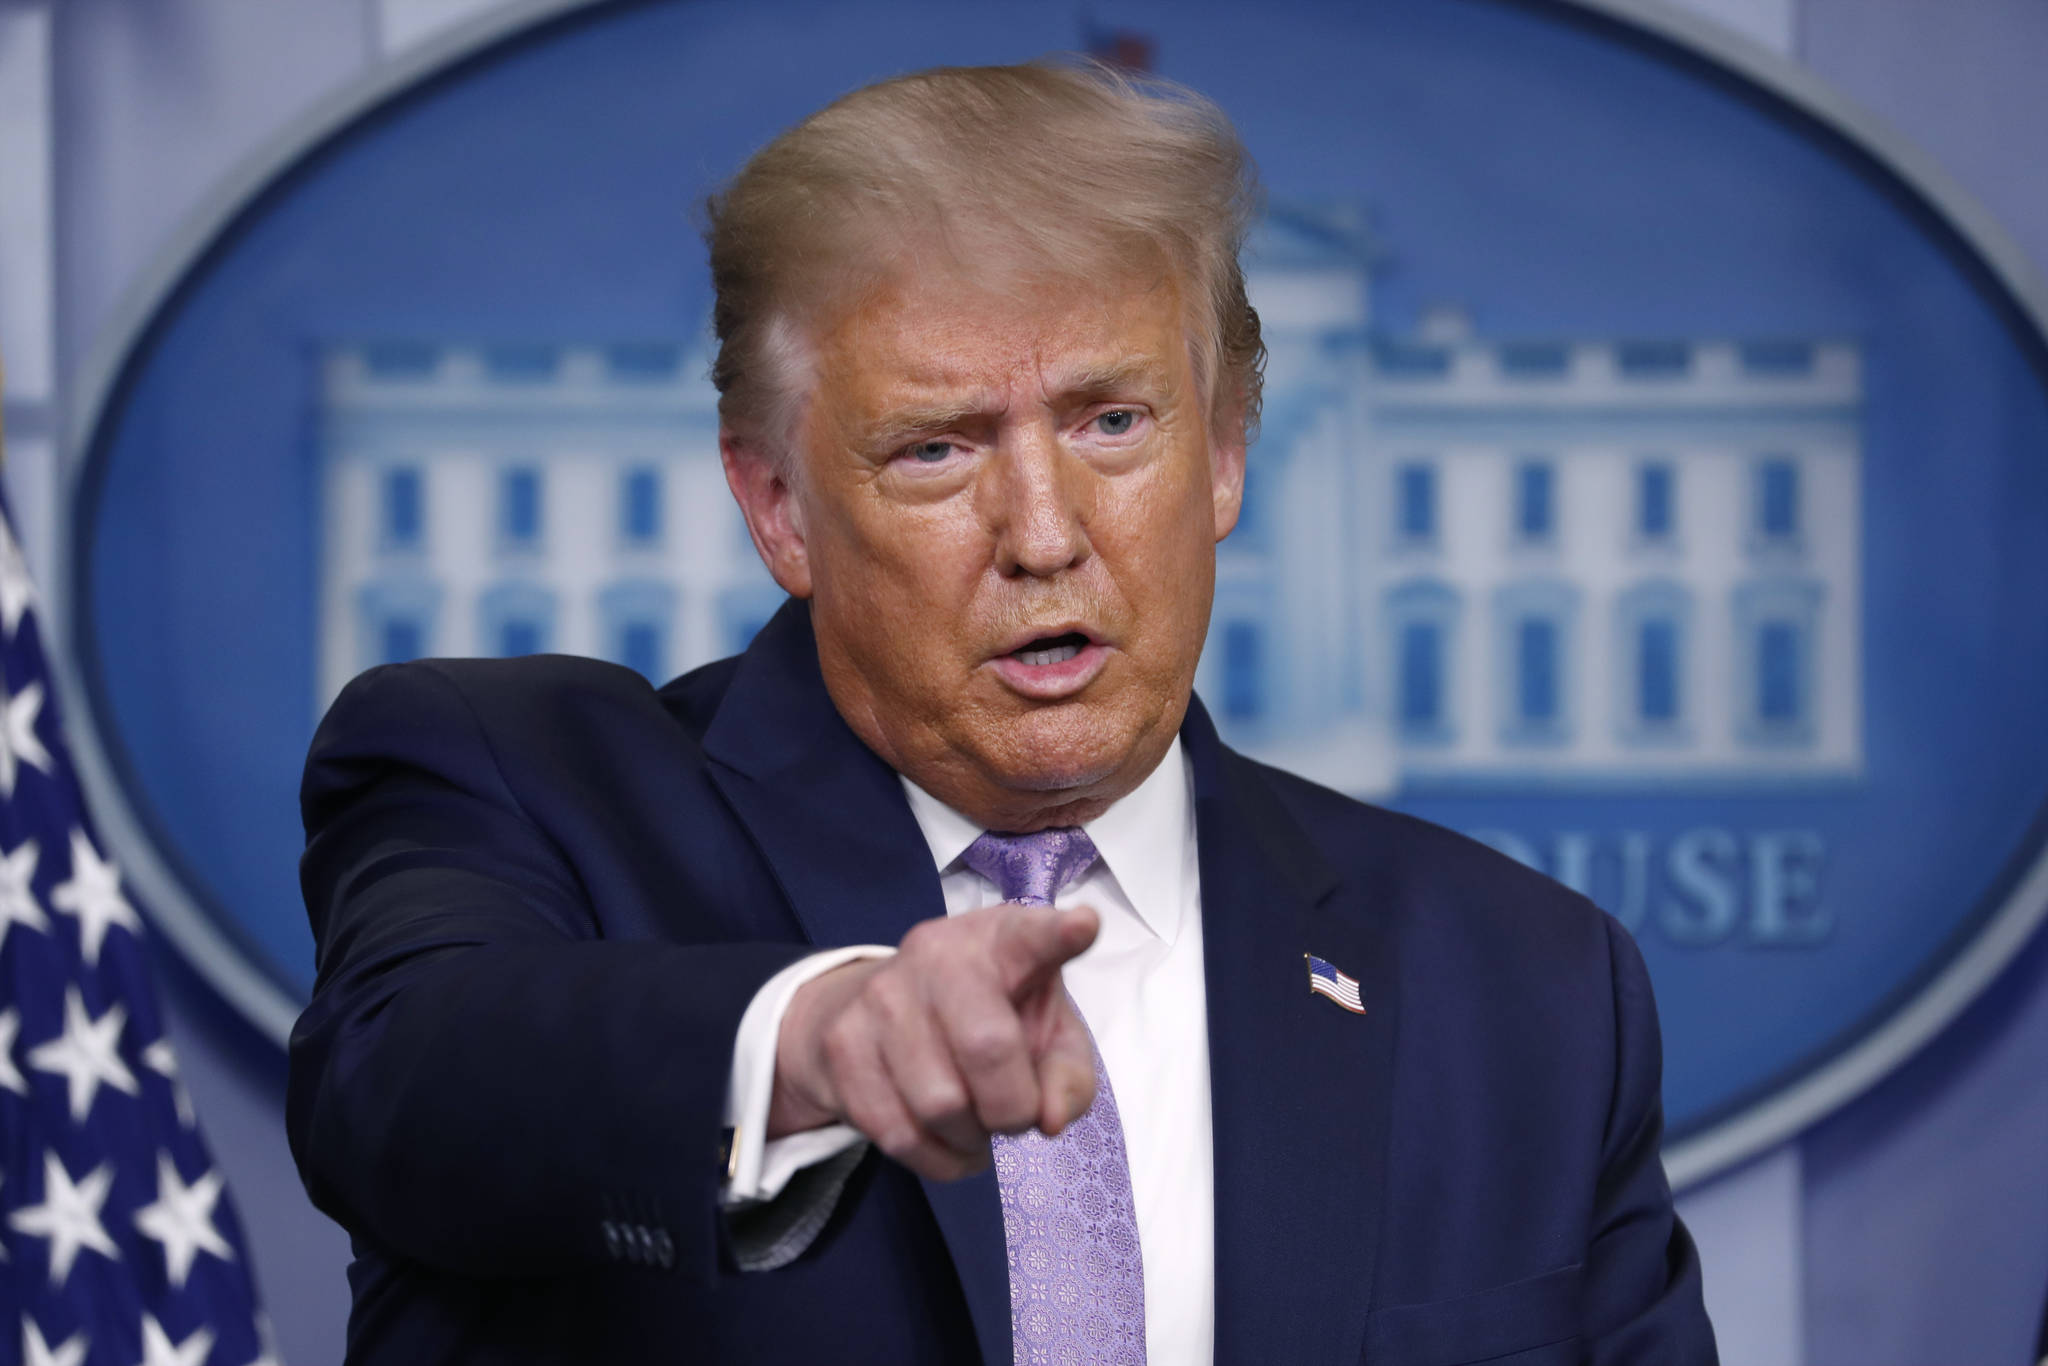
<point x="1325" y="980"/>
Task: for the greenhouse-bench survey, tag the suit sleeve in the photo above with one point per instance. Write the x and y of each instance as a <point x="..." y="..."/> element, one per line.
<point x="480" y="1082"/>
<point x="1643" y="1297"/>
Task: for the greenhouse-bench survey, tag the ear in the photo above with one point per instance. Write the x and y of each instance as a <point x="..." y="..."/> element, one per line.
<point x="1226" y="471"/>
<point x="762" y="488"/>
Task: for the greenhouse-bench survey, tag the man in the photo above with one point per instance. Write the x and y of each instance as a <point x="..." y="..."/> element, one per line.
<point x="1175" y="1058"/>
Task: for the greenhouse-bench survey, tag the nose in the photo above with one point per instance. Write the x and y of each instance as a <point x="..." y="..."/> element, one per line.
<point x="1035" y="501"/>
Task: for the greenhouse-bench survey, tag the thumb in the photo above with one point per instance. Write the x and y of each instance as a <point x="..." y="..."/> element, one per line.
<point x="1033" y="942"/>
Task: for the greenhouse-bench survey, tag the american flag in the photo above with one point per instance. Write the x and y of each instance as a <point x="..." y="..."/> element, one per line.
<point x="118" y="1245"/>
<point x="1325" y="980"/>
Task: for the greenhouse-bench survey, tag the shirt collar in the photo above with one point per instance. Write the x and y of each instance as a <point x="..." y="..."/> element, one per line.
<point x="1143" y="838"/>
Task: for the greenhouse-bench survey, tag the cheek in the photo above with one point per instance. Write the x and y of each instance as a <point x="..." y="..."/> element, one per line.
<point x="863" y="544"/>
<point x="1161" y="537"/>
<point x="900" y="581"/>
<point x="926" y="563"/>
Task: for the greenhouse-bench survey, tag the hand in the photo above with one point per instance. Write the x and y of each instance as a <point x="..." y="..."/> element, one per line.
<point x="964" y="1033"/>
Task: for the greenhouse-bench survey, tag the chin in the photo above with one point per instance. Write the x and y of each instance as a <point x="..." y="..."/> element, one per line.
<point x="1075" y="777"/>
<point x="1046" y="751"/>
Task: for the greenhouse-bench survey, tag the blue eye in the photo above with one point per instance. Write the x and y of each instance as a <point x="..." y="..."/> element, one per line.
<point x="1117" y="421"/>
<point x="931" y="452"/>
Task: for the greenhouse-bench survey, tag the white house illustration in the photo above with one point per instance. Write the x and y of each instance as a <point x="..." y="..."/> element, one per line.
<point x="1463" y="561"/>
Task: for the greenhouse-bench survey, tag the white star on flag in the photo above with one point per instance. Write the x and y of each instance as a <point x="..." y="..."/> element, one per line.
<point x="10" y="1075"/>
<point x="37" y="1352"/>
<point x="17" y="589"/>
<point x="182" y="1219"/>
<point x="159" y="1059"/>
<point x="158" y="1350"/>
<point x="69" y="1216"/>
<point x="18" y="904"/>
<point x="141" y="1263"/>
<point x="19" y="742"/>
<point x="87" y="1053"/>
<point x="93" y="895"/>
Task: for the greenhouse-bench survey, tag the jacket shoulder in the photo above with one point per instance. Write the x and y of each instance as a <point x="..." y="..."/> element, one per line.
<point x="464" y="719"/>
<point x="551" y="686"/>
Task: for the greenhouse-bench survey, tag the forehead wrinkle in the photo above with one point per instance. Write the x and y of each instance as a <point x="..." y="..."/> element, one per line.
<point x="905" y="378"/>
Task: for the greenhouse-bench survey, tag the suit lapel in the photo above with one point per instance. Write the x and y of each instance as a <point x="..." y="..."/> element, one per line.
<point x="1300" y="1087"/>
<point x="828" y="815"/>
<point x="831" y="820"/>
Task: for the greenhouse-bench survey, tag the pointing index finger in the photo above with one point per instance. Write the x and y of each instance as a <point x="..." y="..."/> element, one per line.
<point x="1034" y="942"/>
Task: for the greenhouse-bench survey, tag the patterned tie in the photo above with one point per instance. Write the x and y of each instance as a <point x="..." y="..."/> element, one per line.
<point x="1077" y="1277"/>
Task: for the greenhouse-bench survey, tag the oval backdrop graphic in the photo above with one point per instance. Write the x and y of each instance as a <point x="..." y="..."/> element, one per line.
<point x="1650" y="484"/>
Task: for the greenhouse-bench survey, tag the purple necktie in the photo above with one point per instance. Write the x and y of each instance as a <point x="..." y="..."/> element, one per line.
<point x="1077" y="1276"/>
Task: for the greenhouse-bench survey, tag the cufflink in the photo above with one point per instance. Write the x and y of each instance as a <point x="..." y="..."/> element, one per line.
<point x="729" y="1152"/>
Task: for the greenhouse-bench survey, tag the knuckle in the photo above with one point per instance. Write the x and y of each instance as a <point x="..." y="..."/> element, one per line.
<point x="939" y="1102"/>
<point x="899" y="1141"/>
<point x="840" y="1044"/>
<point x="987" y="1043"/>
<point x="886" y="1130"/>
<point x="923" y="938"/>
<point x="892" y="1001"/>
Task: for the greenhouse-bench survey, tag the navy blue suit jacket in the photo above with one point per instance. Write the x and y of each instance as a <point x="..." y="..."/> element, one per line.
<point x="543" y="894"/>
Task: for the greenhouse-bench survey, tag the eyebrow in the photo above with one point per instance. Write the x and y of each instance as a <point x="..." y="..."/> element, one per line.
<point x="899" y="425"/>
<point x="1090" y="383"/>
<point x="1095" y="382"/>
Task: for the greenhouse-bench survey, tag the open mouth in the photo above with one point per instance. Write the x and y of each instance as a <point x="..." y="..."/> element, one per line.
<point x="1050" y="649"/>
<point x="1054" y="666"/>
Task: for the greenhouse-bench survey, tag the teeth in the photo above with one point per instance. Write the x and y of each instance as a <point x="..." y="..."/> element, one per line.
<point x="1059" y="654"/>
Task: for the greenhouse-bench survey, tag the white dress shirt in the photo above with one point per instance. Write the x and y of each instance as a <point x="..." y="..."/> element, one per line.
<point x="1139" y="987"/>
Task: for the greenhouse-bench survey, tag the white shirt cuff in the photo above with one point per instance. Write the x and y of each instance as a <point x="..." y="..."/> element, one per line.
<point x="759" y="1169"/>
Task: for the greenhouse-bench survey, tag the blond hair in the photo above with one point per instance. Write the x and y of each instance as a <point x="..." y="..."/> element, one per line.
<point x="1068" y="168"/>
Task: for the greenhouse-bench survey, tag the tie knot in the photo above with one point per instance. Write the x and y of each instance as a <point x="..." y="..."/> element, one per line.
<point x="1031" y="868"/>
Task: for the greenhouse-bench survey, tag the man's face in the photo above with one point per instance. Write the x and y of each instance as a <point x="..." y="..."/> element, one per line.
<point x="1005" y="510"/>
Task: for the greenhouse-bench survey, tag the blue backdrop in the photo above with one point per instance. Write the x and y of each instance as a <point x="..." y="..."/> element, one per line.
<point x="1558" y="176"/>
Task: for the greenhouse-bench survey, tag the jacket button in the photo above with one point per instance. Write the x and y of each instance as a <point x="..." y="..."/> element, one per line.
<point x="664" y="1249"/>
<point x="612" y="1240"/>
